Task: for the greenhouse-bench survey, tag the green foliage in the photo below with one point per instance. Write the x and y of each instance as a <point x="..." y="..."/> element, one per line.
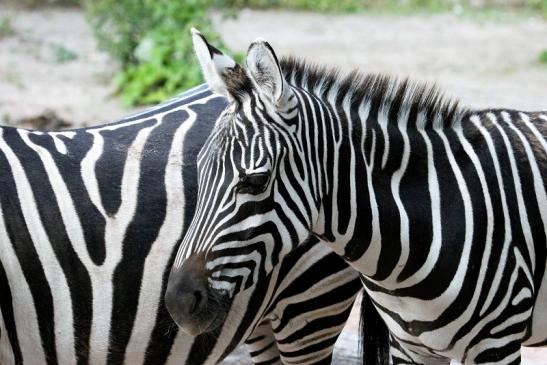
<point x="540" y="5"/>
<point x="543" y="57"/>
<point x="63" y="54"/>
<point x="151" y="39"/>
<point x="6" y="29"/>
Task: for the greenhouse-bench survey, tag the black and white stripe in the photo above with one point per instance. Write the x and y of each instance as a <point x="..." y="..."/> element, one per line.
<point x="442" y="210"/>
<point x="90" y="220"/>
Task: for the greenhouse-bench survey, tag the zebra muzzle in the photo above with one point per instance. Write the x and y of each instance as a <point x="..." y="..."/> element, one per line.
<point x="193" y="305"/>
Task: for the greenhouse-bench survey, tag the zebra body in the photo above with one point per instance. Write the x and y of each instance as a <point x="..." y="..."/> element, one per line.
<point x="483" y="200"/>
<point x="90" y="220"/>
<point x="442" y="210"/>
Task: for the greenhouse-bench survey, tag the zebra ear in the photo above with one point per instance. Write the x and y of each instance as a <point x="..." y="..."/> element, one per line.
<point x="215" y="65"/>
<point x="265" y="70"/>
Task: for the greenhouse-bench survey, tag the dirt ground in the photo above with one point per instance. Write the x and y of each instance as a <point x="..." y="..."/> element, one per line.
<point x="37" y="76"/>
<point x="52" y="72"/>
<point x="485" y="63"/>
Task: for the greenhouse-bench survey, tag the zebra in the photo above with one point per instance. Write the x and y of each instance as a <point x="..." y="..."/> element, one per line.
<point x="90" y="221"/>
<point x="440" y="208"/>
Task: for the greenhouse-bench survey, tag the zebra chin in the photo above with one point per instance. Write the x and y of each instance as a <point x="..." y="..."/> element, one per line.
<point x="194" y="306"/>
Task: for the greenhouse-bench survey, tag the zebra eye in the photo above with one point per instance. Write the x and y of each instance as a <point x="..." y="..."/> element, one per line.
<point x="253" y="183"/>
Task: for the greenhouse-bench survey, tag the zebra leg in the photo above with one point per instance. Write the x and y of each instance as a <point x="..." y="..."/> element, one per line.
<point x="262" y="345"/>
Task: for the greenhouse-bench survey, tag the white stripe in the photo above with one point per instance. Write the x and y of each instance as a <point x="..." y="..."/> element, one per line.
<point x="523" y="294"/>
<point x="181" y="348"/>
<point x="24" y="309"/>
<point x="402" y="121"/>
<point x="115" y="230"/>
<point x="342" y="238"/>
<point x="468" y="148"/>
<point x="508" y="236"/>
<point x="383" y="121"/>
<point x="435" y="197"/>
<point x="203" y="88"/>
<point x="367" y="264"/>
<point x="88" y="171"/>
<point x="161" y="249"/>
<point x="538" y="187"/>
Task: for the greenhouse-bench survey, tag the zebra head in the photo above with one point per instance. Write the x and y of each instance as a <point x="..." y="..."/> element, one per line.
<point x="249" y="212"/>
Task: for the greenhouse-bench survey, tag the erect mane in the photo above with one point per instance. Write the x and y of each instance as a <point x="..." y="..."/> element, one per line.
<point x="380" y="90"/>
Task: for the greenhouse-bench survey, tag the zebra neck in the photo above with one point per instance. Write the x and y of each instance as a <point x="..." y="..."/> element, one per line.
<point x="366" y="147"/>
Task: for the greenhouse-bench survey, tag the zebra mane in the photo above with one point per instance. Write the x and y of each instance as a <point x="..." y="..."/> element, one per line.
<point x="382" y="91"/>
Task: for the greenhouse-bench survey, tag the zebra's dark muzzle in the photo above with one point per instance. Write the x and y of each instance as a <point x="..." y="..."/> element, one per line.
<point x="193" y="305"/>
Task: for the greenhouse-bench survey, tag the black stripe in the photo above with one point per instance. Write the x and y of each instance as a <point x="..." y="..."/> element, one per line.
<point x="141" y="233"/>
<point x="69" y="166"/>
<point x="109" y="168"/>
<point x="6" y="306"/>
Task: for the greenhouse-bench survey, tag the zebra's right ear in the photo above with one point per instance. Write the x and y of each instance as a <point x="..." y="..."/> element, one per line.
<point x="222" y="73"/>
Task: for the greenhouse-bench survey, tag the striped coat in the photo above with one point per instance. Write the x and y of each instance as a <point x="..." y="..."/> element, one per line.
<point x="90" y="220"/>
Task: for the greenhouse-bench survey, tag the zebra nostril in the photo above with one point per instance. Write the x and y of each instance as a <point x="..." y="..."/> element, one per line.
<point x="196" y="302"/>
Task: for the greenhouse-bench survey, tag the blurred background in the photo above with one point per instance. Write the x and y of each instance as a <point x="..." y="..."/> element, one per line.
<point x="74" y="63"/>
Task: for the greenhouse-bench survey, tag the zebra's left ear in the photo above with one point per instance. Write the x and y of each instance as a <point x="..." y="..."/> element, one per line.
<point x="264" y="69"/>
